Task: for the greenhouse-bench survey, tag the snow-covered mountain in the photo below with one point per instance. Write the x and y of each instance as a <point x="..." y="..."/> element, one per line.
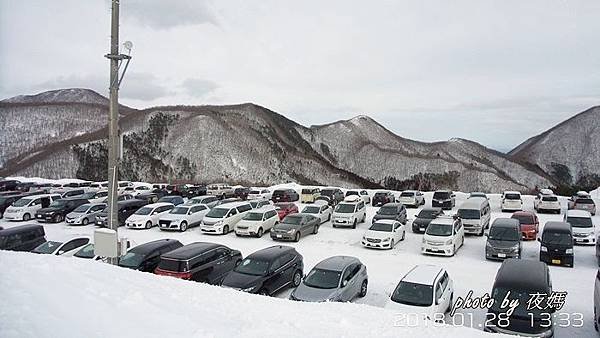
<point x="569" y="152"/>
<point x="62" y="137"/>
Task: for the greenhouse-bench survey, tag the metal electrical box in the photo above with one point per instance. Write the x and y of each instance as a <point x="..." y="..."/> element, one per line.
<point x="106" y="243"/>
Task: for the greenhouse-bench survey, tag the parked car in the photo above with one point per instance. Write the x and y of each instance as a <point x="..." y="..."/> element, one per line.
<point x="529" y="223"/>
<point x="320" y="209"/>
<point x="383" y="197"/>
<point x="223" y="218"/>
<point x="97" y="197"/>
<point x="284" y="195"/>
<point x="84" y="214"/>
<point x="426" y="291"/>
<point x="511" y="201"/>
<point x="478" y="194"/>
<point x="504" y="239"/>
<point x="556" y="244"/>
<point x="334" y="279"/>
<point x="8" y="185"/>
<point x="384" y="234"/>
<point x="325" y="199"/>
<point x="220" y="190"/>
<point x="445" y="199"/>
<point x="208" y="200"/>
<point x="259" y="194"/>
<point x="362" y="193"/>
<point x="257" y="204"/>
<point x="182" y="217"/>
<point x="308" y="195"/>
<point x="267" y="271"/>
<point x="124" y="210"/>
<point x="284" y="209"/>
<point x="335" y="194"/>
<point x="24" y="209"/>
<point x="196" y="190"/>
<point x="149" y="197"/>
<point x="200" y="262"/>
<point x="257" y="221"/>
<point x="294" y="226"/>
<point x="177" y="190"/>
<point x="145" y="257"/>
<point x="7" y="200"/>
<point x="57" y="210"/>
<point x="395" y="211"/>
<point x="584" y="231"/>
<point x="443" y="236"/>
<point x="120" y="197"/>
<point x="137" y="189"/>
<point x="520" y="278"/>
<point x="424" y="217"/>
<point x="87" y="252"/>
<point x="349" y="214"/>
<point x="147" y="216"/>
<point x="22" y="237"/>
<point x="547" y="203"/>
<point x="67" y="248"/>
<point x="241" y="193"/>
<point x="229" y="200"/>
<point x="582" y="201"/>
<point x="475" y="214"/>
<point x="413" y="198"/>
<point x="73" y="193"/>
<point x="173" y="199"/>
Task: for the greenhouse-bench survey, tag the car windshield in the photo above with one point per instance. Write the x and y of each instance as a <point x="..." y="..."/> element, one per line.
<point x="86" y="252"/>
<point x="58" y="203"/>
<point x="311" y="210"/>
<point x="512" y="196"/>
<point x="253" y="216"/>
<point x="293" y="220"/>
<point x="22" y="202"/>
<point x="168" y="199"/>
<point x="387" y="211"/>
<point x="344" y="208"/>
<point x="521" y="311"/>
<point x="427" y="214"/>
<point x="381" y="227"/>
<point x="380" y="194"/>
<point x="144" y="211"/>
<point x="477" y="194"/>
<point x="82" y="208"/>
<point x="217" y="213"/>
<point x="326" y="192"/>
<point x="350" y="193"/>
<point x="323" y="279"/>
<point x="580" y="222"/>
<point x="549" y="199"/>
<point x="524" y="219"/>
<point x="441" y="195"/>
<point x="436" y="229"/>
<point x="584" y="201"/>
<point x="131" y="260"/>
<point x="254" y="192"/>
<point x="413" y="294"/>
<point x="47" y="248"/>
<point x="101" y="194"/>
<point x="468" y="214"/>
<point x="504" y="234"/>
<point x="407" y="194"/>
<point x="253" y="267"/>
<point x="179" y="211"/>
<point x="172" y="265"/>
<point x="557" y="238"/>
<point x="307" y="191"/>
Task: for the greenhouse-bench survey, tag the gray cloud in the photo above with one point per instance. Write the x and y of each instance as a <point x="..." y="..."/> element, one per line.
<point x="166" y="14"/>
<point x="195" y="87"/>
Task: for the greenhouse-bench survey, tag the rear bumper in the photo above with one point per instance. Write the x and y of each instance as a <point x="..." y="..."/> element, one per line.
<point x="556" y="259"/>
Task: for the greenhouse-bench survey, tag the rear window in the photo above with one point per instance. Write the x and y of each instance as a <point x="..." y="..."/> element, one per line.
<point x="307" y="191"/>
<point x="549" y="199"/>
<point x="278" y="193"/>
<point x="441" y="195"/>
<point x="172" y="265"/>
<point x="380" y="194"/>
<point x="524" y="219"/>
<point x="584" y="201"/>
<point x="512" y="196"/>
<point x="407" y="194"/>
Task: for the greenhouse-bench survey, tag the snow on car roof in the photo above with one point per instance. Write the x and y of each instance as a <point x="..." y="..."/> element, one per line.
<point x="578" y="213"/>
<point x="423" y="274"/>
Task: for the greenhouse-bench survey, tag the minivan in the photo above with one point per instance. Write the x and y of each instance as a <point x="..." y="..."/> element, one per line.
<point x="22" y="238"/>
<point x="475" y="213"/>
<point x="584" y="231"/>
<point x="285" y="195"/>
<point x="7" y="199"/>
<point x="145" y="257"/>
<point x="504" y="239"/>
<point x="24" y="209"/>
<point x="556" y="244"/>
<point x="520" y="278"/>
<point x="223" y="218"/>
<point x="335" y="195"/>
<point x="200" y="262"/>
<point x="308" y="195"/>
<point x="444" y="199"/>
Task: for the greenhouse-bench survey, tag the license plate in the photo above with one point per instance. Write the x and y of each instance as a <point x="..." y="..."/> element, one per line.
<point x="278" y="236"/>
<point x="39" y="216"/>
<point x="421" y="229"/>
<point x="501" y="255"/>
<point x="99" y="223"/>
<point x="556" y="261"/>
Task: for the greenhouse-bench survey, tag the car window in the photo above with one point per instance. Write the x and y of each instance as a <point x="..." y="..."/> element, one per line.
<point x="350" y="272"/>
<point x="278" y="263"/>
<point x="97" y="208"/>
<point x="232" y="212"/>
<point x="438" y="291"/>
<point x="397" y="226"/>
<point x="444" y="281"/>
<point x="222" y="252"/>
<point x="244" y="207"/>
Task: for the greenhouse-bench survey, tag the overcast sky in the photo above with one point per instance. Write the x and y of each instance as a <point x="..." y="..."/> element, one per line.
<point x="496" y="72"/>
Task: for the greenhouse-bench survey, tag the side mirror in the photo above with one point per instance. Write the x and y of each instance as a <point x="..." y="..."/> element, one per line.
<point x="344" y="283"/>
<point x="60" y="252"/>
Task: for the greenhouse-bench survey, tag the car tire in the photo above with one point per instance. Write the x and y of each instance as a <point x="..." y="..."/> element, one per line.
<point x="85" y="221"/>
<point x="225" y="229"/>
<point x="363" y="289"/>
<point x="316" y="230"/>
<point x="148" y="225"/>
<point x="480" y="234"/>
<point x="596" y="320"/>
<point x="297" y="237"/>
<point x="183" y="226"/>
<point x="392" y="244"/>
<point x="403" y="235"/>
<point x="26" y="217"/>
<point x="263" y="292"/>
<point x="354" y="224"/>
<point x="259" y="233"/>
<point x="296" y="278"/>
<point x="56" y="219"/>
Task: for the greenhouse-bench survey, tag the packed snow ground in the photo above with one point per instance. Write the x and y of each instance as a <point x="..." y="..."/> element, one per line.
<point x="81" y="291"/>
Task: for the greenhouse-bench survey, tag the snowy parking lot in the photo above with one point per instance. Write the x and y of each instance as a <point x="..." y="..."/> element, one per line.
<point x="468" y="268"/>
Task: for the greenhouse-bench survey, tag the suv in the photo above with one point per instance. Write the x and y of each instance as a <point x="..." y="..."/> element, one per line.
<point x="22" y="237"/>
<point x="241" y="193"/>
<point x="529" y="223"/>
<point x="196" y="190"/>
<point x="223" y="218"/>
<point x="413" y="198"/>
<point x="425" y="216"/>
<point x="183" y="217"/>
<point x="124" y="210"/>
<point x="582" y="201"/>
<point x="444" y="199"/>
<point x="145" y="257"/>
<point x="210" y="201"/>
<point x="319" y="209"/>
<point x="504" y="239"/>
<point x="284" y="195"/>
<point x="257" y="221"/>
<point x="200" y="262"/>
<point x="57" y="210"/>
<point x="7" y="199"/>
<point x="443" y="236"/>
<point x="584" y="231"/>
<point x="395" y="211"/>
<point x="546" y="202"/>
<point x="335" y="194"/>
<point x="511" y="200"/>
<point x="24" y="209"/>
<point x="383" y="197"/>
<point x="362" y="193"/>
<point x="349" y="214"/>
<point x="556" y="244"/>
<point x="267" y="271"/>
<point x="220" y="190"/>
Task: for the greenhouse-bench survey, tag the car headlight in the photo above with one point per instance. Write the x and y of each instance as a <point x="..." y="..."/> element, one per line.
<point x="386" y="239"/>
<point x="219" y="223"/>
<point x="515" y="248"/>
<point x="291" y="231"/>
<point x="248" y="289"/>
<point x="448" y="242"/>
<point x="544" y="249"/>
<point x="488" y="245"/>
<point x="569" y="251"/>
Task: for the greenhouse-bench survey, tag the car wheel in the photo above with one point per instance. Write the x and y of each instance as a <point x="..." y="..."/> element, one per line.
<point x="403" y="235"/>
<point x="225" y="229"/>
<point x="363" y="289"/>
<point x="238" y="262"/>
<point x="481" y="232"/>
<point x="297" y="237"/>
<point x="297" y="278"/>
<point x="354" y="224"/>
<point x="85" y="221"/>
<point x="26" y="217"/>
<point x="329" y="218"/>
<point x="596" y="320"/>
<point x="56" y="219"/>
<point x="316" y="230"/>
<point x="263" y="292"/>
<point x="148" y="225"/>
<point x="392" y="244"/>
<point x="259" y="233"/>
<point x="183" y="226"/>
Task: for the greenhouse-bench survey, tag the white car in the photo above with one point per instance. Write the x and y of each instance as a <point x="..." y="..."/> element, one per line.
<point x="426" y="291"/>
<point x="210" y="201"/>
<point x="256" y="194"/>
<point x="413" y="198"/>
<point x="99" y="196"/>
<point x="220" y="189"/>
<point x="137" y="189"/>
<point x="319" y="209"/>
<point x="256" y="222"/>
<point x="183" y="217"/>
<point x="511" y="201"/>
<point x="349" y="214"/>
<point x="362" y="193"/>
<point x="85" y="213"/>
<point x="384" y="234"/>
<point x="257" y="204"/>
<point x="584" y="231"/>
<point x="121" y="185"/>
<point x="147" y="216"/>
<point x="24" y="209"/>
<point x="66" y="248"/>
<point x="546" y="202"/>
<point x="223" y="218"/>
<point x="443" y="236"/>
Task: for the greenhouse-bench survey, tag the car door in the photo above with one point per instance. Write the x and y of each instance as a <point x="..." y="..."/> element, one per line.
<point x="224" y="263"/>
<point x="441" y="299"/>
<point x="272" y="218"/>
<point x="323" y="213"/>
<point x="398" y="230"/>
<point x="458" y="235"/>
<point x="276" y="278"/>
<point x="198" y="213"/>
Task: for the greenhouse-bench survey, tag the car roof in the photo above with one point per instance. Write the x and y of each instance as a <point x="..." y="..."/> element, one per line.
<point x="336" y="263"/>
<point x="443" y="190"/>
<point x="523" y="274"/>
<point x="20" y="228"/>
<point x="191" y="250"/>
<point x="133" y="201"/>
<point x="320" y="202"/>
<point x="231" y="205"/>
<point x="151" y="246"/>
<point x="557" y="226"/>
<point x="578" y="213"/>
<point x="438" y="209"/>
<point x="443" y="220"/>
<point x="512" y="192"/>
<point x="506" y="223"/>
<point x="352" y="202"/>
<point x="423" y="274"/>
<point x="40" y="196"/>
<point x="391" y="204"/>
<point x="271" y="252"/>
<point x="546" y="192"/>
<point x="385" y="221"/>
<point x="159" y="204"/>
<point x="523" y="213"/>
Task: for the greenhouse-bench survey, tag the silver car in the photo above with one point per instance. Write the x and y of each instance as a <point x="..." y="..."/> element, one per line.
<point x="84" y="214"/>
<point x="335" y="279"/>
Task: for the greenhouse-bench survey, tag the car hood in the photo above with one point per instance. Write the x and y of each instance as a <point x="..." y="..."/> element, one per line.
<point x="240" y="281"/>
<point x="171" y="217"/>
<point x="436" y="239"/>
<point x="45" y="210"/>
<point x="248" y="223"/>
<point x="500" y="244"/>
<point x="310" y="294"/>
<point x="377" y="234"/>
<point x="527" y="226"/>
<point x="380" y="216"/>
<point x="75" y="214"/>
<point x="285" y="226"/>
<point x="422" y="221"/>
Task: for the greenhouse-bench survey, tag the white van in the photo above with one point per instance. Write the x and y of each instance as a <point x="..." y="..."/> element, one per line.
<point x="349" y="214"/>
<point x="223" y="218"/>
<point x="475" y="213"/>
<point x="24" y="209"/>
<point x="511" y="200"/>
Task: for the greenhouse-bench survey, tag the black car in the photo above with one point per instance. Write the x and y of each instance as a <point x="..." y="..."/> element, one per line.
<point x="22" y="238"/>
<point x="145" y="257"/>
<point x="504" y="239"/>
<point x="285" y="195"/>
<point x="241" y="193"/>
<point x="196" y="190"/>
<point x="556" y="244"/>
<point x="125" y="209"/>
<point x="73" y="193"/>
<point x="395" y="211"/>
<point x="520" y="278"/>
<point x="200" y="262"/>
<point x="444" y="199"/>
<point x="149" y="197"/>
<point x="58" y="209"/>
<point x="26" y="186"/>
<point x="335" y="194"/>
<point x="173" y="199"/>
<point x="9" y="198"/>
<point x="425" y="216"/>
<point x="383" y="197"/>
<point x="8" y="185"/>
<point x="177" y="190"/>
<point x="267" y="271"/>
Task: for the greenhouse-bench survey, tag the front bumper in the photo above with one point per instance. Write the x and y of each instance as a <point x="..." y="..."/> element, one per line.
<point x="584" y="239"/>
<point x="13" y="216"/>
<point x="135" y="225"/>
<point x="73" y="221"/>
<point x="283" y="236"/>
<point x="376" y="243"/>
<point x="500" y="255"/>
<point x="556" y="259"/>
<point x="246" y="231"/>
<point x="342" y="222"/>
<point x="440" y="250"/>
<point x="419" y="228"/>
<point x="45" y="218"/>
<point x="211" y="229"/>
<point x="168" y="225"/>
<point x="529" y="234"/>
<point x="472" y="229"/>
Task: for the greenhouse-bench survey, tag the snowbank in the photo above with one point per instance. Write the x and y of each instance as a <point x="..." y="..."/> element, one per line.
<point x="49" y="296"/>
<point x="595" y="193"/>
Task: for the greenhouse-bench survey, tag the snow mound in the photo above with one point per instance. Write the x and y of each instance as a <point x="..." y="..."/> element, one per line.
<point x="54" y="296"/>
<point x="595" y="193"/>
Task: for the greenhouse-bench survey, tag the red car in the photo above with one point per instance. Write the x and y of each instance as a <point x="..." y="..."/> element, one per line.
<point x="530" y="223"/>
<point x="284" y="209"/>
